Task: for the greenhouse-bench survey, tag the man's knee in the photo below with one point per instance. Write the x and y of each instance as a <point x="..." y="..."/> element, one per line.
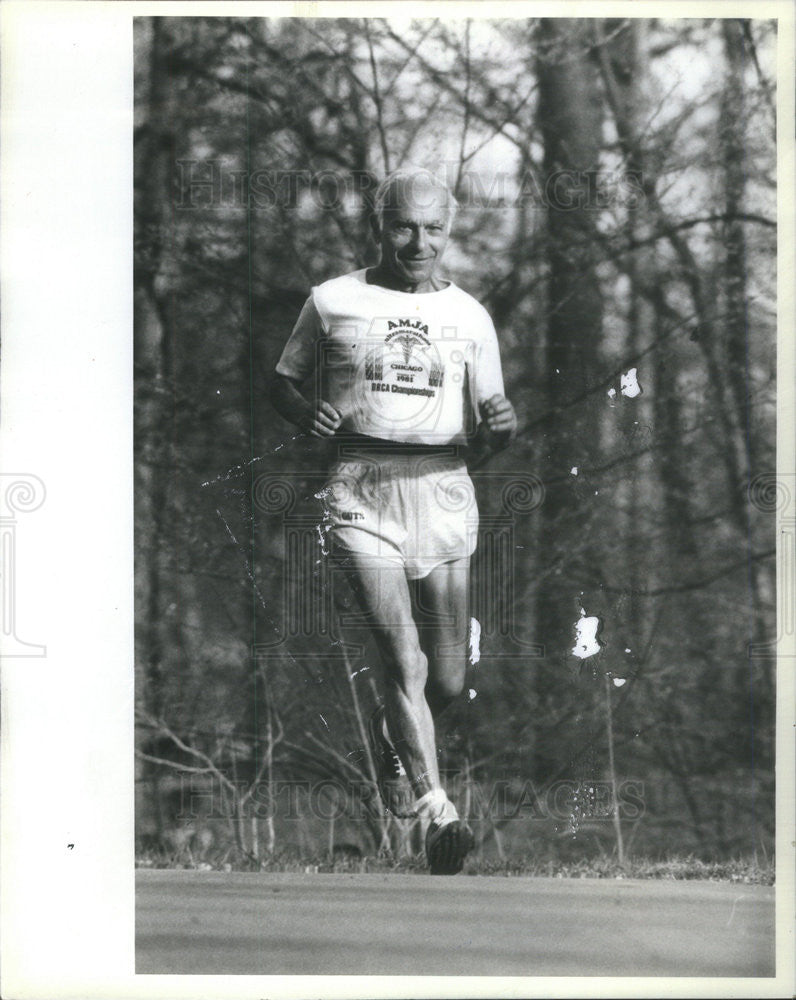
<point x="446" y="678"/>
<point x="408" y="668"/>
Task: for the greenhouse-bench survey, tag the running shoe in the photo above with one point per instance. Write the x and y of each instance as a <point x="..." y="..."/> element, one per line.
<point x="391" y="777"/>
<point x="448" y="842"/>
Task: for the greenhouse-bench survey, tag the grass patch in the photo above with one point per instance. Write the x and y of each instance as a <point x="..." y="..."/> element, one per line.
<point x="749" y="871"/>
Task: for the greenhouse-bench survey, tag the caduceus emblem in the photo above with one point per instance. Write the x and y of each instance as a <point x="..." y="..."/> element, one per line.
<point x="407" y="342"/>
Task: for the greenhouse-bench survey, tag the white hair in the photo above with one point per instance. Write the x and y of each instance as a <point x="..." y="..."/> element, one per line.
<point x="410" y="175"/>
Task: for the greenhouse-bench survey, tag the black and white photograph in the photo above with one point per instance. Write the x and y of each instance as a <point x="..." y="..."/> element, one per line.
<point x="458" y="562"/>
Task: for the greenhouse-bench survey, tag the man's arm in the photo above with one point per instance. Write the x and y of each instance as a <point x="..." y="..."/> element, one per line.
<point x="498" y="423"/>
<point x="320" y="419"/>
<point x="496" y="431"/>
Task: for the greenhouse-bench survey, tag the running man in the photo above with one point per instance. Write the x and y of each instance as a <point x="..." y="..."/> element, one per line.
<point x="407" y="380"/>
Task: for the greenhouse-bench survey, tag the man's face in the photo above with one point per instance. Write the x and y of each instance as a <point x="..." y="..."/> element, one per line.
<point x="414" y="233"/>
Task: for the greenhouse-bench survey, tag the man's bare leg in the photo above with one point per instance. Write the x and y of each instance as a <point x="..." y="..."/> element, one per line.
<point x="441" y="600"/>
<point x="383" y="595"/>
<point x="441" y="606"/>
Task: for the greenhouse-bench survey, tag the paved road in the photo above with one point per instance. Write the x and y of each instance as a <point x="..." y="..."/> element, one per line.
<point x="214" y="922"/>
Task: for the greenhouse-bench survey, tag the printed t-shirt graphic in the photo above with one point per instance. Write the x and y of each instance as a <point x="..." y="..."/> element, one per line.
<point x="400" y="366"/>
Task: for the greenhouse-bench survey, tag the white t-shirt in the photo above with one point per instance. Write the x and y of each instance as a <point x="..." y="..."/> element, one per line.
<point x="397" y="365"/>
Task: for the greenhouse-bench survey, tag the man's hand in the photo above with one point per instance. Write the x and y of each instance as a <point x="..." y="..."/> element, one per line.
<point x="321" y="420"/>
<point x="499" y="416"/>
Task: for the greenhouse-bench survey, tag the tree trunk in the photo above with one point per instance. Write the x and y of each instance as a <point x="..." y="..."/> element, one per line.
<point x="570" y="115"/>
<point x="154" y="359"/>
<point x="755" y="678"/>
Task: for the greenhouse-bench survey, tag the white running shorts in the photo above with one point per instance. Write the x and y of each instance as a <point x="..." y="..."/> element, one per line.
<point x="411" y="506"/>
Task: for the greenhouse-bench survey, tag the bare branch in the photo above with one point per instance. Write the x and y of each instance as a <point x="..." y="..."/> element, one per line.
<point x="466" y="102"/>
<point x="376" y="96"/>
<point x="173" y="764"/>
<point x="161" y="727"/>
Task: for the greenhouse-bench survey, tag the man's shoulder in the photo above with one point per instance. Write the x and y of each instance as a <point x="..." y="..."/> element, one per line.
<point x="334" y="297"/>
<point x="467" y="301"/>
<point x="461" y="294"/>
<point x="331" y="289"/>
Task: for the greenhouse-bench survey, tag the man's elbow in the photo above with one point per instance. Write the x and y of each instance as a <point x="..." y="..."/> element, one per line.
<point x="277" y="391"/>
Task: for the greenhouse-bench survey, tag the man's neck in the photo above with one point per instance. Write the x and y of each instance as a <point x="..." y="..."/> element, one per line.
<point x="381" y="276"/>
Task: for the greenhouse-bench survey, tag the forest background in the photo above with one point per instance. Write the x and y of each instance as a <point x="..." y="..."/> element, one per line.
<point x="618" y="205"/>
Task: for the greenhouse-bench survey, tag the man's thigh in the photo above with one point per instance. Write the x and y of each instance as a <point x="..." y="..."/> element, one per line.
<point x="441" y="605"/>
<point x="382" y="593"/>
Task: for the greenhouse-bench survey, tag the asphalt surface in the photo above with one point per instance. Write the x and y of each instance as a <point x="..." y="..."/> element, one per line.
<point x="268" y="924"/>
